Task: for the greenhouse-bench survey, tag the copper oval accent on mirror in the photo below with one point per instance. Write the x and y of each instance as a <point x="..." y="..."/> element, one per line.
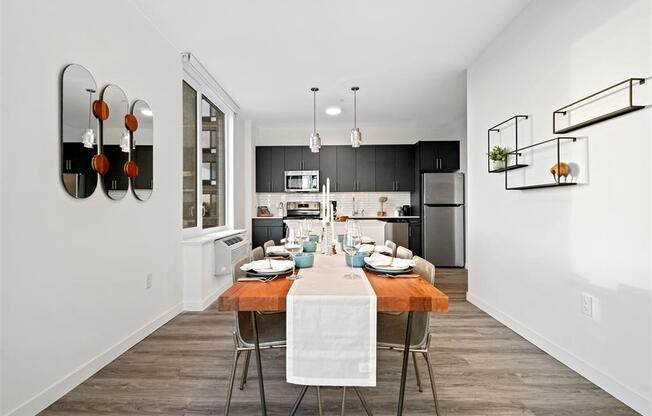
<point x="131" y="122"/>
<point x="131" y="169"/>
<point x="100" y="164"/>
<point x="100" y="110"/>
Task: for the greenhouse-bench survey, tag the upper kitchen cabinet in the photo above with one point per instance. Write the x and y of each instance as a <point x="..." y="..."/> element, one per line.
<point x="441" y="156"/>
<point x="345" y="178"/>
<point x="328" y="166"/>
<point x="394" y="168"/>
<point x="300" y="158"/>
<point x="365" y="169"/>
<point x="270" y="169"/>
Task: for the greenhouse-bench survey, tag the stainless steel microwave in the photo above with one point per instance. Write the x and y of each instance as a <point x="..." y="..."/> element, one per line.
<point x="301" y="181"/>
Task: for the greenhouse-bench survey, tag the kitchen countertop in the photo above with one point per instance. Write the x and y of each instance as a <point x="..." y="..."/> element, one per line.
<point x="366" y="217"/>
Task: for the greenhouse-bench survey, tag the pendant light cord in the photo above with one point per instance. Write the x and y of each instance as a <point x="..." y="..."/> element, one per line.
<point x="90" y="104"/>
<point x="314" y="112"/>
<point x="355" y="109"/>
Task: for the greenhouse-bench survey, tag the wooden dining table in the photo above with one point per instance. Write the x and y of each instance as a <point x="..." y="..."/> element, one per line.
<point x="400" y="294"/>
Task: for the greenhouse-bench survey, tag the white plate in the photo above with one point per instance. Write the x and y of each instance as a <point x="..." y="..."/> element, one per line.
<point x="390" y="268"/>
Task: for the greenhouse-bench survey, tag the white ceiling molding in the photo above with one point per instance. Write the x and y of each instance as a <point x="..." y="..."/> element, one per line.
<point x="195" y="69"/>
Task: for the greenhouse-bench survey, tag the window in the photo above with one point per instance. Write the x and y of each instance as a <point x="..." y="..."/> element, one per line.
<point x="207" y="152"/>
<point x="213" y="133"/>
<point x="189" y="156"/>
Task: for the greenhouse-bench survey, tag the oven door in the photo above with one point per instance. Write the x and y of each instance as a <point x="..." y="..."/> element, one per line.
<point x="301" y="181"/>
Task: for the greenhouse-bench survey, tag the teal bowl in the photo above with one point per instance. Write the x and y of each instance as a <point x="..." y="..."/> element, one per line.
<point x="309" y="246"/>
<point x="357" y="260"/>
<point x="313" y="237"/>
<point x="304" y="260"/>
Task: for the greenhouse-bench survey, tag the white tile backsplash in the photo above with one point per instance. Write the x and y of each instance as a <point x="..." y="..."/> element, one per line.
<point x="363" y="200"/>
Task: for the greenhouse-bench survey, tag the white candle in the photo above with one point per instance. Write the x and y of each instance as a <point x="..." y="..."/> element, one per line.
<point x="323" y="205"/>
<point x="328" y="197"/>
<point x="332" y="224"/>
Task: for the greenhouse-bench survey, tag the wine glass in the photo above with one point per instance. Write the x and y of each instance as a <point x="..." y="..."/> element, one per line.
<point x="293" y="244"/>
<point x="307" y="228"/>
<point x="351" y="244"/>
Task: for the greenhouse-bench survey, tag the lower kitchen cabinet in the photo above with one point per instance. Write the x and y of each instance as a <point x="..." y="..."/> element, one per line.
<point x="264" y="229"/>
<point x="414" y="236"/>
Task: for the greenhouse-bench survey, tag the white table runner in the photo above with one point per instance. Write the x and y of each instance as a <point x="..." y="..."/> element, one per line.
<point x="331" y="326"/>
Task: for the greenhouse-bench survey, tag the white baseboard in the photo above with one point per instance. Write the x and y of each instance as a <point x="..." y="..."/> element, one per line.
<point x="79" y="375"/>
<point x="198" y="306"/>
<point x="609" y="384"/>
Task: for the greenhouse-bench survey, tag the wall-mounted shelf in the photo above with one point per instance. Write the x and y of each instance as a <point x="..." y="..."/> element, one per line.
<point x="496" y="129"/>
<point x="509" y="167"/>
<point x="518" y="151"/>
<point x="628" y="109"/>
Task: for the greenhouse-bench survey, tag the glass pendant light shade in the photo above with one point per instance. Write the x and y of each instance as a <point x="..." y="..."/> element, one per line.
<point x="88" y="138"/>
<point x="124" y="142"/>
<point x="315" y="143"/>
<point x="356" y="135"/>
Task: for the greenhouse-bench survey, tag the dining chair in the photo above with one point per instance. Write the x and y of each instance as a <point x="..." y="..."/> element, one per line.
<point x="392" y="246"/>
<point x="257" y="254"/>
<point x="271" y="334"/>
<point x="403" y="253"/>
<point x="267" y="244"/>
<point x="391" y="330"/>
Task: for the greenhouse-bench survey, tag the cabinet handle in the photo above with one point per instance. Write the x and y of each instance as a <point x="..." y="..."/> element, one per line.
<point x="396" y="186"/>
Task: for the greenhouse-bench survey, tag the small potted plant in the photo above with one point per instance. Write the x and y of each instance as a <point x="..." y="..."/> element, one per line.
<point x="498" y="157"/>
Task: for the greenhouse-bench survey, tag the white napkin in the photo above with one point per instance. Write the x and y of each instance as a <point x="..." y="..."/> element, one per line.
<point x="370" y="248"/>
<point x="267" y="265"/>
<point x="276" y="250"/>
<point x="380" y="260"/>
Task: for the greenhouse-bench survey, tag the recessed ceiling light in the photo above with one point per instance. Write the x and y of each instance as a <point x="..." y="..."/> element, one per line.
<point x="333" y="111"/>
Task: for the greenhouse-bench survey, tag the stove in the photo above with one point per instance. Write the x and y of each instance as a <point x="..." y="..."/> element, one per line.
<point x="303" y="210"/>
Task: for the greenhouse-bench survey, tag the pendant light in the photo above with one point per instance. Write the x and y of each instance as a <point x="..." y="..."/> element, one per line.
<point x="356" y="135"/>
<point x="124" y="142"/>
<point x="88" y="138"/>
<point x="315" y="140"/>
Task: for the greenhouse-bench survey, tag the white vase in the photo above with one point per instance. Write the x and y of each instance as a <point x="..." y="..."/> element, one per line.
<point x="497" y="164"/>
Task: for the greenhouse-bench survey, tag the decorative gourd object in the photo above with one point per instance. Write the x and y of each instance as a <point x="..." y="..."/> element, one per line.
<point x="559" y="170"/>
<point x="130" y="169"/>
<point x="131" y="122"/>
<point x="100" y="110"/>
<point x="100" y="163"/>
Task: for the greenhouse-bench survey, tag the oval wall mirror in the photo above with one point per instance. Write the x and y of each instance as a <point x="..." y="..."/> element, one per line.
<point x="142" y="150"/>
<point x="79" y="131"/>
<point x="115" y="142"/>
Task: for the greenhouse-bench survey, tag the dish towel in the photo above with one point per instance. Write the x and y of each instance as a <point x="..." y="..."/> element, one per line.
<point x="331" y="327"/>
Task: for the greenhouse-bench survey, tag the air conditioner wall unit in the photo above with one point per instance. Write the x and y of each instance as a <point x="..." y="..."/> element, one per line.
<point x="228" y="250"/>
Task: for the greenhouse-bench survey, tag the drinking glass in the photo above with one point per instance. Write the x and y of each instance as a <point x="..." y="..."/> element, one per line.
<point x="351" y="244"/>
<point x="293" y="244"/>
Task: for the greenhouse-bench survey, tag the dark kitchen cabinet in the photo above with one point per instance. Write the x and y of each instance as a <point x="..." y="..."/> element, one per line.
<point x="414" y="237"/>
<point x="395" y="168"/>
<point x="293" y="159"/>
<point x="277" y="175"/>
<point x="264" y="229"/>
<point x="365" y="169"/>
<point x="309" y="160"/>
<point x="441" y="156"/>
<point x="346" y="177"/>
<point x="328" y="166"/>
<point x="263" y="169"/>
<point x="300" y="158"/>
<point x="270" y="169"/>
<point x="385" y="168"/>
<point x="404" y="168"/>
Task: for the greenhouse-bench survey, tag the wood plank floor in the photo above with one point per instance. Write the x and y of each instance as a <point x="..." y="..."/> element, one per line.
<point x="482" y="368"/>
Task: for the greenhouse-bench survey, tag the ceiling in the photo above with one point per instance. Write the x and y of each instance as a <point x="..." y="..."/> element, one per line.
<point x="408" y="58"/>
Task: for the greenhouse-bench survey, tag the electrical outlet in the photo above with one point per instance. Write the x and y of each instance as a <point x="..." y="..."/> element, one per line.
<point x="587" y="305"/>
<point x="150" y="278"/>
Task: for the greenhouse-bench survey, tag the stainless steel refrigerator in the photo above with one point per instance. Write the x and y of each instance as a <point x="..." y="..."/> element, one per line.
<point x="443" y="218"/>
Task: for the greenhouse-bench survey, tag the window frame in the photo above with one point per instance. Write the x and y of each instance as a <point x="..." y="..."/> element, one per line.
<point x="200" y="80"/>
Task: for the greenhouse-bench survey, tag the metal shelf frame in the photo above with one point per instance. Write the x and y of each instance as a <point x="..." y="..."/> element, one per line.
<point x="544" y="185"/>
<point x="627" y="109"/>
<point x="496" y="128"/>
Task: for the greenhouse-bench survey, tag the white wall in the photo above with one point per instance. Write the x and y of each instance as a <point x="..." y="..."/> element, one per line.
<point x="74" y="271"/>
<point x="533" y="253"/>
